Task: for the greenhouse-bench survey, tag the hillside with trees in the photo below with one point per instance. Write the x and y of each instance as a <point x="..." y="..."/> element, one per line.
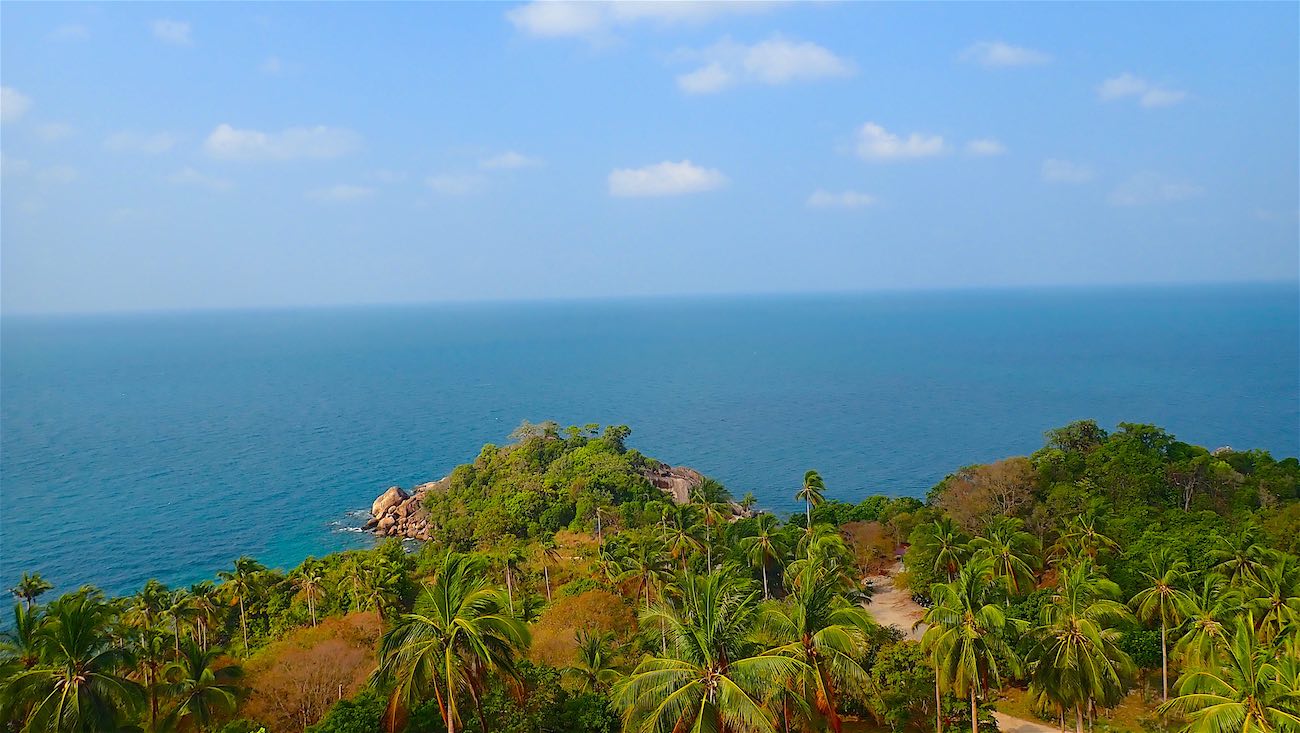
<point x="1112" y="580"/>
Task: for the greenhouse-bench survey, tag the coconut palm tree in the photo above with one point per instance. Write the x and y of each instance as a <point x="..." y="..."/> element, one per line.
<point x="1247" y="691"/>
<point x="1012" y="552"/>
<point x="594" y="670"/>
<point x="811" y="493"/>
<point x="510" y="559"/>
<point x="1082" y="539"/>
<point x="203" y="598"/>
<point x="29" y="588"/>
<point x="80" y="683"/>
<point x="714" y="676"/>
<point x="681" y="525"/>
<point x="830" y="636"/>
<point x="310" y="585"/>
<point x="765" y="547"/>
<point x="966" y="636"/>
<point x="549" y="553"/>
<point x="645" y="564"/>
<point x="1240" y="557"/>
<point x="1209" y="614"/>
<point x="714" y="514"/>
<point x="240" y="585"/>
<point x="178" y="608"/>
<point x="1164" y="600"/>
<point x="1074" y="654"/>
<point x="945" y="541"/>
<point x="202" y="690"/>
<point x="21" y="642"/>
<point x="1273" y="596"/>
<point x="460" y="629"/>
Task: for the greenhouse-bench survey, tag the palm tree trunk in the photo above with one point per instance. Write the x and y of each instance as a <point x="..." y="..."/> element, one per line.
<point x="766" y="596"/>
<point x="1164" y="665"/>
<point x="938" y="702"/>
<point x="808" y="514"/>
<point x="510" y="589"/>
<point x="1078" y="719"/>
<point x="974" y="713"/>
<point x="243" y="622"/>
<point x="546" y="570"/>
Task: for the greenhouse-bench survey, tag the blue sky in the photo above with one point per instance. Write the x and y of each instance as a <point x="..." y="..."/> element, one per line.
<point x="242" y="155"/>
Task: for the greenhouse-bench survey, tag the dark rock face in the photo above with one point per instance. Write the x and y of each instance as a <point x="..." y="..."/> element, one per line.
<point x="676" y="481"/>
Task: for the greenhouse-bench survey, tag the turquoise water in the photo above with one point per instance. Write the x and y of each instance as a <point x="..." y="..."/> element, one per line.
<point x="167" y="445"/>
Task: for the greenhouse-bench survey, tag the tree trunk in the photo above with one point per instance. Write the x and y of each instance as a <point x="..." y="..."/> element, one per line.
<point x="1164" y="665"/>
<point x="938" y="702"/>
<point x="766" y="596"/>
<point x="546" y="570"/>
<point x="974" y="713"/>
<point x="243" y="622"/>
<point x="1078" y="719"/>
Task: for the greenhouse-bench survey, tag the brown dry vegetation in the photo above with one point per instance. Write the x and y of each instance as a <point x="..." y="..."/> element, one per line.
<point x="555" y="633"/>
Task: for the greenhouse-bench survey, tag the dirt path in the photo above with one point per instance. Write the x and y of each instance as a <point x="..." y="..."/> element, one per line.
<point x="891" y="606"/>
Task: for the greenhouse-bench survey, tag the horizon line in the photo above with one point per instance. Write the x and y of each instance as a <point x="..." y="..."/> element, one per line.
<point x="606" y="298"/>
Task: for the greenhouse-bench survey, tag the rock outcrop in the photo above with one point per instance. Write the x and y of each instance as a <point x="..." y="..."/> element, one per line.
<point x="397" y="513"/>
<point x="676" y="481"/>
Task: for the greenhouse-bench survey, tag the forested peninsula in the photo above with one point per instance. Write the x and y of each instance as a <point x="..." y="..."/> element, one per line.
<point x="1114" y="580"/>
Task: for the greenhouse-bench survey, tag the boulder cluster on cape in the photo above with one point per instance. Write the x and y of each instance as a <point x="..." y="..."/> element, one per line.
<point x="399" y="513"/>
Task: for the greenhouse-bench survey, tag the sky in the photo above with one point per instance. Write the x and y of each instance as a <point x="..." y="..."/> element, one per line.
<point x="223" y="155"/>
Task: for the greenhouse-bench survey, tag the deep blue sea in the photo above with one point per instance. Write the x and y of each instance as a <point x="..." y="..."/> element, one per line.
<point x="165" y="445"/>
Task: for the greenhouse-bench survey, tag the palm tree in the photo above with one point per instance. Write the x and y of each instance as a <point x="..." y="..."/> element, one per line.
<point x="1273" y="596"/>
<point x="1163" y="599"/>
<point x="1082" y="539"/>
<point x="594" y="670"/>
<point x="510" y="559"/>
<point x="201" y="690"/>
<point x="764" y="547"/>
<point x="78" y="685"/>
<point x="178" y="607"/>
<point x="966" y="636"/>
<point x="646" y="564"/>
<point x="379" y="586"/>
<point x="714" y="513"/>
<point x="826" y="633"/>
<point x="1246" y="692"/>
<point x="1013" y="553"/>
<point x="240" y="585"/>
<point x="1074" y="654"/>
<point x="681" y="524"/>
<point x="31" y="587"/>
<point x="714" y="677"/>
<point x="144" y="610"/>
<point x="21" y="642"/>
<point x="811" y="493"/>
<point x="309" y="583"/>
<point x="1240" y="557"/>
<point x="203" y="598"/>
<point x="459" y="627"/>
<point x="549" y="553"/>
<point x="1208" y="615"/>
<point x="945" y="541"/>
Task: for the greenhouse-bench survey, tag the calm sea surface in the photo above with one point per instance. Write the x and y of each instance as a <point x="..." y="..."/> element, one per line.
<point x="167" y="445"/>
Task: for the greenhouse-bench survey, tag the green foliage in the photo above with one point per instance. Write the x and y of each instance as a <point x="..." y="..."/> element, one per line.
<point x="362" y="714"/>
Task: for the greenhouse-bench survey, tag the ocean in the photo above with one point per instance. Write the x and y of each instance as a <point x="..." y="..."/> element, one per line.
<point x="166" y="445"/>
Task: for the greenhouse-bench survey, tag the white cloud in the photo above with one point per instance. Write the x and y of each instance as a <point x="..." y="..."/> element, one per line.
<point x="1147" y="188"/>
<point x="598" y="20"/>
<point x="341" y="193"/>
<point x="996" y="54"/>
<point x="13" y="166"/>
<point x="876" y="143"/>
<point x="54" y="131"/>
<point x="70" y="32"/>
<point x="774" y="61"/>
<point x="1063" y="171"/>
<point x="508" y="160"/>
<point x="318" y="142"/>
<point x="456" y="184"/>
<point x="189" y="177"/>
<point x="13" y="104"/>
<point x="820" y="199"/>
<point x="58" y="174"/>
<point x="664" y="179"/>
<point x="985" y="147"/>
<point x="175" y="32"/>
<point x="1148" y="95"/>
<point x="126" y="141"/>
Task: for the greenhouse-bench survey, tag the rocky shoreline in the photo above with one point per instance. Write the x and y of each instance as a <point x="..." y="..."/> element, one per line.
<point x="400" y="513"/>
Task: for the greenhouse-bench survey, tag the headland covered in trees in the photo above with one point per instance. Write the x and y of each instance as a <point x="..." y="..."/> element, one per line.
<point x="1114" y="580"/>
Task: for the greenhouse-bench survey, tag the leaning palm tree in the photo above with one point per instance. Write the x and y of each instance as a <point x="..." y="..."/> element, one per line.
<point x="1074" y="655"/>
<point x="240" y="585"/>
<point x="1246" y="692"/>
<point x="714" y="676"/>
<point x="1210" y="610"/>
<point x="966" y="636"/>
<point x="830" y="636"/>
<point x="765" y="547"/>
<point x="594" y="670"/>
<point x="202" y="690"/>
<point x="80" y="683"/>
<point x="1013" y="553"/>
<point x="811" y="493"/>
<point x="29" y="588"/>
<point x="1164" y="600"/>
<point x="460" y="629"/>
